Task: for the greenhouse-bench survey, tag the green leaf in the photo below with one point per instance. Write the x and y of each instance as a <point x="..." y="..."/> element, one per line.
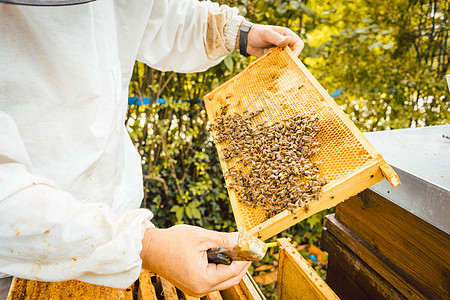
<point x="362" y="30"/>
<point x="327" y="12"/>
<point x="179" y="211"/>
<point x="367" y="20"/>
<point x="194" y="204"/>
<point x="314" y="220"/>
<point x="228" y="61"/>
<point x="384" y="32"/>
<point x="282" y="8"/>
<point x="188" y="212"/>
<point x="196" y="213"/>
<point x="362" y="38"/>
<point x="388" y="45"/>
<point x="295" y="4"/>
<point x="374" y="45"/>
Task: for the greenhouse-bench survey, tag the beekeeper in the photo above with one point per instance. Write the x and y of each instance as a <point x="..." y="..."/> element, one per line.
<point x="70" y="177"/>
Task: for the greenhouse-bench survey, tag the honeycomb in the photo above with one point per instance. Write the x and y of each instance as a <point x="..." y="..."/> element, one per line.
<point x="149" y="286"/>
<point x="73" y="289"/>
<point x="281" y="86"/>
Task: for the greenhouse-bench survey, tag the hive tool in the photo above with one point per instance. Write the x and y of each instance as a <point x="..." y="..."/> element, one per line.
<point x="248" y="248"/>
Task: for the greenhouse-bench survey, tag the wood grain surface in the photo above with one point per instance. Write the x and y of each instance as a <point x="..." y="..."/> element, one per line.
<point x="416" y="247"/>
<point x="297" y="279"/>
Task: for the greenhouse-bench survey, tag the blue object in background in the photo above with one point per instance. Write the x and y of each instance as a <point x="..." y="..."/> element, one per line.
<point x="136" y="101"/>
<point x="336" y="93"/>
<point x="146" y="101"/>
<point x="313" y="257"/>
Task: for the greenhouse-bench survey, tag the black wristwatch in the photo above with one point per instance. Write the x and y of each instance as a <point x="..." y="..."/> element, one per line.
<point x="243" y="37"/>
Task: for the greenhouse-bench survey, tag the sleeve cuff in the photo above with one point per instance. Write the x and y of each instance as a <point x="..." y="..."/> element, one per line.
<point x="231" y="32"/>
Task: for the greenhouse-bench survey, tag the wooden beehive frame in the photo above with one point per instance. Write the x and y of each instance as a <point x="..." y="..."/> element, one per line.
<point x="283" y="85"/>
<point x="296" y="277"/>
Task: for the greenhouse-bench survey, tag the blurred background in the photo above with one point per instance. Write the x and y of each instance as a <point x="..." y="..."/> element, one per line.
<point x="383" y="61"/>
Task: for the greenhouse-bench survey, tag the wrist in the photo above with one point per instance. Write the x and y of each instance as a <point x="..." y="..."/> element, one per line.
<point x="244" y="30"/>
<point x="149" y="248"/>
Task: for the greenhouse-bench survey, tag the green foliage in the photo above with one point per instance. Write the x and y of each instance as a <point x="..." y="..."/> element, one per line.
<point x="183" y="180"/>
<point x="388" y="57"/>
<point x="182" y="176"/>
<point x="308" y="231"/>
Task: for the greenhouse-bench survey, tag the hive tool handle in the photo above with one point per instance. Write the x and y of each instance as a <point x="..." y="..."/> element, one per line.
<point x="215" y="256"/>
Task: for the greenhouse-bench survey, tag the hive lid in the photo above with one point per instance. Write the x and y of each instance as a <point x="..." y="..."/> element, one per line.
<point x="281" y="85"/>
<point x="421" y="157"/>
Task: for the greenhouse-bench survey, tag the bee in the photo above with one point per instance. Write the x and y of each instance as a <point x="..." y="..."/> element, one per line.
<point x="275" y="171"/>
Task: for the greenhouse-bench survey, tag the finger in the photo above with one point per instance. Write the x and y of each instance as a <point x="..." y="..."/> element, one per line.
<point x="232" y="281"/>
<point x="267" y="50"/>
<point x="284" y="41"/>
<point x="297" y="46"/>
<point x="294" y="42"/>
<point x="222" y="273"/>
<point x="274" y="38"/>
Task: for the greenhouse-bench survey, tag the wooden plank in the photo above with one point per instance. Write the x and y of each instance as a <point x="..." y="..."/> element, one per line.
<point x="297" y="277"/>
<point x="214" y="296"/>
<point x="146" y="289"/>
<point x="250" y="288"/>
<point x="281" y="265"/>
<point x="234" y="293"/>
<point x="187" y="297"/>
<point x="413" y="245"/>
<point x="333" y="194"/>
<point x="350" y="277"/>
<point x="168" y="290"/>
<point x="11" y="289"/>
<point x="128" y="293"/>
<point x="375" y="260"/>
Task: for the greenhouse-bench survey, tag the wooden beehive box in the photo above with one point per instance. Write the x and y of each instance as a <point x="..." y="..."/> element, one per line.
<point x="281" y="85"/>
<point x="297" y="279"/>
<point x="149" y="286"/>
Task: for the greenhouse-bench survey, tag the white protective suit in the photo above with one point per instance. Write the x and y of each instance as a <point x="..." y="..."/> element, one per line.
<point x="70" y="178"/>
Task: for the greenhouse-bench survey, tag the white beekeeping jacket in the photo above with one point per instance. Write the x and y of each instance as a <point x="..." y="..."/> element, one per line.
<point x="70" y="178"/>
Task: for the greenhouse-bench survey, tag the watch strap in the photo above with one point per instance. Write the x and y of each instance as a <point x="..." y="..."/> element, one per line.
<point x="243" y="37"/>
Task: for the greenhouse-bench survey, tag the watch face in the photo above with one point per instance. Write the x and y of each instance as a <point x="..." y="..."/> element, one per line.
<point x="46" y="2"/>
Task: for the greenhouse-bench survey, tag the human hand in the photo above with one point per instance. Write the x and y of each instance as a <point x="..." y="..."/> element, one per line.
<point x="262" y="38"/>
<point x="179" y="255"/>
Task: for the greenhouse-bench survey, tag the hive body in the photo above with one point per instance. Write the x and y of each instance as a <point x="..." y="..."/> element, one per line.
<point x="279" y="87"/>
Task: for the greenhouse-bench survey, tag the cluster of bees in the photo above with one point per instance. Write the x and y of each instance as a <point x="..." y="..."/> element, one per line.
<point x="271" y="162"/>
